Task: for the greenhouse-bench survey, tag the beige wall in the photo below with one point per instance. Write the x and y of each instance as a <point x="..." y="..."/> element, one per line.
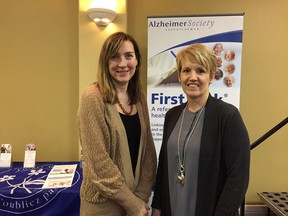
<point x="49" y="54"/>
<point x="39" y="77"/>
<point x="264" y="89"/>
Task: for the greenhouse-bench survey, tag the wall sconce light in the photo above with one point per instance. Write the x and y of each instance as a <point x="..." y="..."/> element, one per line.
<point x="101" y="16"/>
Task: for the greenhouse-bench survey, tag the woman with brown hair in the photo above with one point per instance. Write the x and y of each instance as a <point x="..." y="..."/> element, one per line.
<point x="115" y="135"/>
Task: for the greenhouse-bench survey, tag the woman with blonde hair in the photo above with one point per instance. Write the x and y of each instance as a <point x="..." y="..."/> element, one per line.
<point x="205" y="154"/>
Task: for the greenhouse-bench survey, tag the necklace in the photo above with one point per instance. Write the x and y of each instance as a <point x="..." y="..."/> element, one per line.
<point x="124" y="111"/>
<point x="181" y="176"/>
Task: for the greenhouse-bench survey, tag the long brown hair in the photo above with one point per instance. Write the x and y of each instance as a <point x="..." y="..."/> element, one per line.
<point x="104" y="79"/>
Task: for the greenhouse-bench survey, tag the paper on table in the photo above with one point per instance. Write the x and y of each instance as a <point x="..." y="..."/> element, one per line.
<point x="30" y="155"/>
<point x="6" y="155"/>
<point x="60" y="176"/>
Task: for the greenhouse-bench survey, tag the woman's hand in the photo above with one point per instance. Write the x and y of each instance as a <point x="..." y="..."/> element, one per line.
<point x="156" y="212"/>
<point x="144" y="210"/>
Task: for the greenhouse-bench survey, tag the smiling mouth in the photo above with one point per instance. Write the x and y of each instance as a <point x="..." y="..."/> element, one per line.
<point x="193" y="85"/>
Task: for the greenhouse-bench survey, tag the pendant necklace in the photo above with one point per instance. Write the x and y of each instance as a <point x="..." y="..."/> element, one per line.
<point x="181" y="176"/>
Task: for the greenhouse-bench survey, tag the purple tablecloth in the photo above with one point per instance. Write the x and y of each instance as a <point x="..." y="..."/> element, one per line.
<point x="21" y="192"/>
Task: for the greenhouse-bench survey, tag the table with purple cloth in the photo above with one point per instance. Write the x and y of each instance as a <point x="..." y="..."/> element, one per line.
<point x="21" y="191"/>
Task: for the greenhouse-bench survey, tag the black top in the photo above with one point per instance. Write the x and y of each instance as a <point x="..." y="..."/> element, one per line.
<point x="133" y="132"/>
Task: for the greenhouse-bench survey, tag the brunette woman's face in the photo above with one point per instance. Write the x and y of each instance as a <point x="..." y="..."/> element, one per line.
<point x="219" y="62"/>
<point x="217" y="74"/>
<point x="122" y="65"/>
<point x="194" y="79"/>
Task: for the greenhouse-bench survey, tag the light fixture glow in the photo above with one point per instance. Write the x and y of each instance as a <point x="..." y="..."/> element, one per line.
<point x="101" y="16"/>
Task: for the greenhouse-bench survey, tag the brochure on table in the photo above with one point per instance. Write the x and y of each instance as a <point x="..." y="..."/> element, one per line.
<point x="6" y="155"/>
<point x="60" y="176"/>
<point x="30" y="156"/>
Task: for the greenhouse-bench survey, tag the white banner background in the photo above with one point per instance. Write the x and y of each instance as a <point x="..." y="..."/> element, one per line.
<point x="166" y="36"/>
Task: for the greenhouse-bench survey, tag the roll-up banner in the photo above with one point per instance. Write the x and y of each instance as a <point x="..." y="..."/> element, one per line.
<point x="166" y="36"/>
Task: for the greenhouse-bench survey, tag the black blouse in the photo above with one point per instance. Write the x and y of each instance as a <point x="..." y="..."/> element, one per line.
<point x="133" y="132"/>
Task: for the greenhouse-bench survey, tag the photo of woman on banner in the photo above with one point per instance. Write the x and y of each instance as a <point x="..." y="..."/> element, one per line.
<point x="204" y="159"/>
<point x="229" y="55"/>
<point x="218" y="49"/>
<point x="218" y="74"/>
<point x="229" y="68"/>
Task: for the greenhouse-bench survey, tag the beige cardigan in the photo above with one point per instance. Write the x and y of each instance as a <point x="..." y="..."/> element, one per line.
<point x="108" y="171"/>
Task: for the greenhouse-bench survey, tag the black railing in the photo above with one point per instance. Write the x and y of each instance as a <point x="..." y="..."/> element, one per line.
<point x="259" y="141"/>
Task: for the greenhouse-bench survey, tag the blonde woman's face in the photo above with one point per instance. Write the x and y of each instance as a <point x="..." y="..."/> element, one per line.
<point x="122" y="65"/>
<point x="194" y="79"/>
